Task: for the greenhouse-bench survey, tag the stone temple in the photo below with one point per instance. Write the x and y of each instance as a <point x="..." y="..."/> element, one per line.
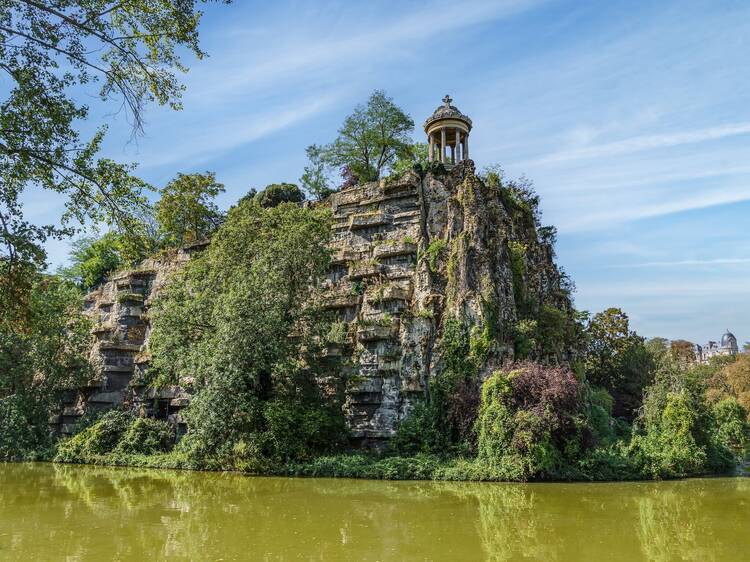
<point x="727" y="346"/>
<point x="447" y="131"/>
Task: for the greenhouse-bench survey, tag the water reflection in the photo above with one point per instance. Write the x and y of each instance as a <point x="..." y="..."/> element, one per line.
<point x="59" y="512"/>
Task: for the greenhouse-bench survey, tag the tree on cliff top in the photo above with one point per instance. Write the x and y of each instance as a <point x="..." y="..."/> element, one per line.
<point x="50" y="51"/>
<point x="277" y="193"/>
<point x="186" y="211"/>
<point x="369" y="142"/>
<point x="92" y="259"/>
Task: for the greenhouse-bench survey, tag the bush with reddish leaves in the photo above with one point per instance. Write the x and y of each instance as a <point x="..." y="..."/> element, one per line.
<point x="532" y="421"/>
<point x="350" y="179"/>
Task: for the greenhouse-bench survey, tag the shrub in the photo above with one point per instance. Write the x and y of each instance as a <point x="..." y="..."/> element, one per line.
<point x="20" y="437"/>
<point x="600" y="404"/>
<point x="299" y="430"/>
<point x="98" y="439"/>
<point x="669" y="448"/>
<point x="419" y="432"/>
<point x="732" y="427"/>
<point x="419" y="467"/>
<point x="147" y="436"/>
<point x="277" y="193"/>
<point x="435" y="252"/>
<point x="532" y="421"/>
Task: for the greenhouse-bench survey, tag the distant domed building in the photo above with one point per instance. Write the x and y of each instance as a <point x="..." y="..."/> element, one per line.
<point x="727" y="346"/>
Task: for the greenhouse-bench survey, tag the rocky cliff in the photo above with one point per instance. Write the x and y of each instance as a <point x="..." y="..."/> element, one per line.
<point x="408" y="253"/>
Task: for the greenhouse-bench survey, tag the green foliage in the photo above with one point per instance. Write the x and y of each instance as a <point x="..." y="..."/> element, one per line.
<point x="315" y="177"/>
<point x="117" y="437"/>
<point x="492" y="176"/>
<point x="435" y="168"/>
<point x="444" y="423"/>
<point x="677" y="432"/>
<point x="92" y="259"/>
<point x="618" y="360"/>
<point x="186" y="212"/>
<point x="52" y="52"/>
<point x="548" y="337"/>
<point x="338" y="333"/>
<point x="23" y="435"/>
<point x="519" y="197"/>
<point x="42" y="352"/>
<point x="146" y="436"/>
<point x="670" y="447"/>
<point x="369" y="142"/>
<point x="277" y="193"/>
<point x="435" y="252"/>
<point x="556" y="334"/>
<point x="414" y="156"/>
<point x="300" y="428"/>
<point x="732" y="427"/>
<point x="531" y="422"/>
<point x="358" y="288"/>
<point x="420" y="432"/>
<point x="417" y="467"/>
<point x="98" y="439"/>
<point x="524" y="338"/>
<point x="243" y="323"/>
<point x="518" y="269"/>
<point x="599" y="415"/>
<point x="729" y="377"/>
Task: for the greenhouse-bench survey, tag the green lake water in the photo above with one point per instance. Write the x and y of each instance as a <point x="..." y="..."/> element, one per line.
<point x="63" y="512"/>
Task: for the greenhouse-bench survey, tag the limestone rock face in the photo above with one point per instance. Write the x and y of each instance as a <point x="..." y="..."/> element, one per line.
<point x="408" y="253"/>
<point x="119" y="311"/>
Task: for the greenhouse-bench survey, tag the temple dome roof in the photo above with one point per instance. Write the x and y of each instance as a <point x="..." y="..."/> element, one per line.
<point x="728" y="340"/>
<point x="447" y="111"/>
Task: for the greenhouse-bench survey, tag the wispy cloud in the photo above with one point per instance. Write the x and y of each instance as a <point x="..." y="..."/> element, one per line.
<point x="645" y="142"/>
<point x="311" y="50"/>
<point x="602" y="215"/>
<point x="685" y="263"/>
<point x="211" y="139"/>
<point x="673" y="289"/>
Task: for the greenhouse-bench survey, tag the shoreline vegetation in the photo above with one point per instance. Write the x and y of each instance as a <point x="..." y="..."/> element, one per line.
<point x="362" y="465"/>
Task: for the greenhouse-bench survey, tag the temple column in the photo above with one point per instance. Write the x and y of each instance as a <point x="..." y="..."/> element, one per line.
<point x="458" y="145"/>
<point x="442" y="145"/>
<point x="466" y="147"/>
<point x="432" y="148"/>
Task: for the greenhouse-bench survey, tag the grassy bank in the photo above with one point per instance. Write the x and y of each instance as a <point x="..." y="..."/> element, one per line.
<point x="376" y="467"/>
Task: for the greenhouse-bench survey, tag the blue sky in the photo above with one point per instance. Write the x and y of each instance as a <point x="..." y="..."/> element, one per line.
<point x="632" y="119"/>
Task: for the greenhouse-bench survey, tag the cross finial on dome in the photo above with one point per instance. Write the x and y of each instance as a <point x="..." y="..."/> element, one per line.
<point x="447" y="100"/>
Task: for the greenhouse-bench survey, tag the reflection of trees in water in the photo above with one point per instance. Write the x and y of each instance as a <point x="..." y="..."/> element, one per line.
<point x="670" y="527"/>
<point x="119" y="513"/>
<point x="691" y="520"/>
<point x="511" y="524"/>
<point x="78" y="512"/>
<point x="695" y="520"/>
